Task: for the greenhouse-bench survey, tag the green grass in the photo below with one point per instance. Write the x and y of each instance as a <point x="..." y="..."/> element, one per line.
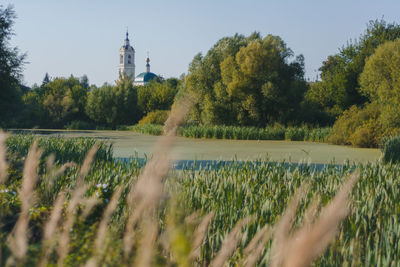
<point x="153" y="129"/>
<point x="368" y="236"/>
<point x="241" y="132"/>
<point x="64" y="149"/>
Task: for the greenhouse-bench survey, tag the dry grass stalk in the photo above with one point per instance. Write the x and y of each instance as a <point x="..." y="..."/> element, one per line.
<point x="145" y="196"/>
<point x="283" y="226"/>
<point x="63" y="243"/>
<point x="199" y="235"/>
<point x="147" y="191"/>
<point x="77" y="196"/>
<point x="89" y="204"/>
<point x="50" y="228"/>
<point x="193" y="218"/>
<point x="311" y="212"/>
<point x="3" y="162"/>
<point x="230" y="243"/>
<point x="53" y="172"/>
<point x="102" y="230"/>
<point x="87" y="162"/>
<point x="309" y="242"/>
<point x="178" y="113"/>
<point x="256" y="246"/>
<point x="18" y="239"/>
<point x="146" y="251"/>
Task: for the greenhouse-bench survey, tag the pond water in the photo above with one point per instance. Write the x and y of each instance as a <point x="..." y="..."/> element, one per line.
<point x="127" y="144"/>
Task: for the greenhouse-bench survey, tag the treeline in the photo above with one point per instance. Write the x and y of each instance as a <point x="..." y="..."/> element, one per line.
<point x="71" y="103"/>
<point x="255" y="81"/>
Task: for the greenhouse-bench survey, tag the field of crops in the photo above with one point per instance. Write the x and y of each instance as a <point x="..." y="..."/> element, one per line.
<point x="241" y="133"/>
<point x="94" y="226"/>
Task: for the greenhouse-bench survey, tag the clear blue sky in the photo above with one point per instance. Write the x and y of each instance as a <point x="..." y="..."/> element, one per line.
<point x="64" y="37"/>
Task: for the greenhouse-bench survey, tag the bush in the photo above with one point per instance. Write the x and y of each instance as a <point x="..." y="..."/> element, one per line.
<point x="363" y="137"/>
<point x="358" y="127"/>
<point x="391" y="149"/>
<point x="155" y="117"/>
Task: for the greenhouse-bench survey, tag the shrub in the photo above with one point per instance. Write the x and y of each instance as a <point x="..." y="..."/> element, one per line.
<point x="365" y="135"/>
<point x="155" y="117"/>
<point x="358" y="126"/>
<point x="391" y="149"/>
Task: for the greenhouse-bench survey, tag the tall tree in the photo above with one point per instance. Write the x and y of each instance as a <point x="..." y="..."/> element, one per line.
<point x="339" y="87"/>
<point x="380" y="82"/>
<point x="114" y="105"/>
<point x="46" y="79"/>
<point x="11" y="63"/>
<point x="247" y="81"/>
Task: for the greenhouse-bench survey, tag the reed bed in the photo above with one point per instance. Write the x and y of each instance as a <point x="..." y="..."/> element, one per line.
<point x="241" y="133"/>
<point x="63" y="149"/>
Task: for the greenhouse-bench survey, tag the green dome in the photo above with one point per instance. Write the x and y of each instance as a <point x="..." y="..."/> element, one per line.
<point x="145" y="77"/>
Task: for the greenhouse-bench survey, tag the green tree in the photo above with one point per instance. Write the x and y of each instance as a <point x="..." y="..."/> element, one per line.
<point x="247" y="81"/>
<point x="114" y="105"/>
<point x="339" y="87"/>
<point x="64" y="100"/>
<point x="11" y="63"/>
<point x="46" y="79"/>
<point x="157" y="95"/>
<point x="380" y="82"/>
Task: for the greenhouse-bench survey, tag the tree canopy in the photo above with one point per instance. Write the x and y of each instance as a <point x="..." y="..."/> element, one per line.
<point x="11" y="63"/>
<point x="247" y="81"/>
<point x="380" y="81"/>
<point x="339" y="87"/>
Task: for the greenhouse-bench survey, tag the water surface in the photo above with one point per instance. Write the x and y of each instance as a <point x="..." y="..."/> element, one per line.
<point x="127" y="144"/>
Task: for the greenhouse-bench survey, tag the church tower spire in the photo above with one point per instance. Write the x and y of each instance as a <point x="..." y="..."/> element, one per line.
<point x="127" y="59"/>
<point x="127" y="38"/>
<point x="147" y="63"/>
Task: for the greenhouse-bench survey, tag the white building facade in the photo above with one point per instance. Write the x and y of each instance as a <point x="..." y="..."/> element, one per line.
<point x="127" y="59"/>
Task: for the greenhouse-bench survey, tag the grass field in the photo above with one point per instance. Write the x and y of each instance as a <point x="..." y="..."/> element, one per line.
<point x="237" y="203"/>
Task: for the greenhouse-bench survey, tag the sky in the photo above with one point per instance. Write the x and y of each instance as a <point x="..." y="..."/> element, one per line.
<point x="64" y="37"/>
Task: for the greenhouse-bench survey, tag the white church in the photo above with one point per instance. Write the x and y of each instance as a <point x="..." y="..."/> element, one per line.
<point x="127" y="65"/>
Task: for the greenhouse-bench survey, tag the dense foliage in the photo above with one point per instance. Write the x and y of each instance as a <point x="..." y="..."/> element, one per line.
<point x="11" y="63"/>
<point x="231" y="191"/>
<point x="72" y="104"/>
<point x="157" y="96"/>
<point x="247" y="81"/>
<point x="114" y="105"/>
<point x="380" y="83"/>
<point x="155" y="117"/>
<point x="339" y="87"/>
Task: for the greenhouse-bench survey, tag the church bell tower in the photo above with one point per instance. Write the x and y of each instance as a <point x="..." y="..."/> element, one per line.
<point x="127" y="59"/>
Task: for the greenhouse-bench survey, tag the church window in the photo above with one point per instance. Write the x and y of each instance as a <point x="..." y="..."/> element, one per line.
<point x="129" y="59"/>
<point x="121" y="59"/>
